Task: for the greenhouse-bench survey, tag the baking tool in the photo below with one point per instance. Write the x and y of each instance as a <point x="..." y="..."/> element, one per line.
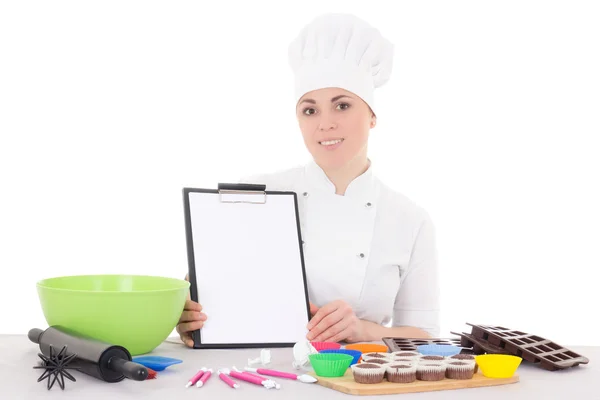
<point x="356" y="355"/>
<point x="444" y="350"/>
<point x="479" y="346"/>
<point x="228" y="380"/>
<point x="411" y="344"/>
<point x="55" y="366"/>
<point x="247" y="377"/>
<point x="277" y="385"/>
<point x="151" y="373"/>
<point x="301" y="352"/>
<point x="207" y="374"/>
<point x="157" y="363"/>
<point x="194" y="379"/>
<point x="346" y="384"/>
<point x="115" y="308"/>
<point x="325" y="345"/>
<point x="498" y="365"/>
<point x="536" y="349"/>
<point x="367" y="348"/>
<point x="264" y="359"/>
<point x="330" y="365"/>
<point x="269" y="372"/>
<point x="110" y="363"/>
<point x="251" y="378"/>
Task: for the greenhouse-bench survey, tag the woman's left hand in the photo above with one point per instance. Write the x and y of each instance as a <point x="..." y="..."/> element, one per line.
<point x="335" y="322"/>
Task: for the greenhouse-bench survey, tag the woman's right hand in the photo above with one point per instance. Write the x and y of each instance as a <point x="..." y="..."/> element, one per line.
<point x="191" y="319"/>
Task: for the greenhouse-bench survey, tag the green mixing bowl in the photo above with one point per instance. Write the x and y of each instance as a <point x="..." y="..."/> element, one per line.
<point x="134" y="311"/>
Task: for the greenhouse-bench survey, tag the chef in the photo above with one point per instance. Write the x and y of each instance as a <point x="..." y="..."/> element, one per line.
<point x="370" y="252"/>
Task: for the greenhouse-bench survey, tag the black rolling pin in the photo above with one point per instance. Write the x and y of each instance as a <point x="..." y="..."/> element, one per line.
<point x="110" y="363"/>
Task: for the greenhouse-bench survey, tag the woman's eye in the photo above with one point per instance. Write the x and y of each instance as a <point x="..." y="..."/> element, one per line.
<point x="309" y="111"/>
<point x="343" y="106"/>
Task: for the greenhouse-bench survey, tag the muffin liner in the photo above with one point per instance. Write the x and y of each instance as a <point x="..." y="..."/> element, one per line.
<point x="414" y="360"/>
<point x="401" y="373"/>
<point x="375" y="356"/>
<point x="472" y="363"/>
<point x="368" y="373"/>
<point x="330" y="365"/>
<point x="354" y="353"/>
<point x="367" y="347"/>
<point x="325" y="345"/>
<point x="438" y="363"/>
<point x="498" y="365"/>
<point x="459" y="370"/>
<point x="444" y="350"/>
<point x="435" y="359"/>
<point x="464" y="357"/>
<point x="405" y="354"/>
<point x="431" y="372"/>
<point x="378" y="361"/>
<point x="410" y="364"/>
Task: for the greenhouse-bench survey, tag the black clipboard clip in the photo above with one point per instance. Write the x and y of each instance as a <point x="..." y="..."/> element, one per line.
<point x="225" y="189"/>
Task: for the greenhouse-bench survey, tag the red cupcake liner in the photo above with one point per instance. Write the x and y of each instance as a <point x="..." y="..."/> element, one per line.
<point x="326" y="345"/>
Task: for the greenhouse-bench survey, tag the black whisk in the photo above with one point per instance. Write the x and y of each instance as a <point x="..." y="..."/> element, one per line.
<point x="55" y="366"/>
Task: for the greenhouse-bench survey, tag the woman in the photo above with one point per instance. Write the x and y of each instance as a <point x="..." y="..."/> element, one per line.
<point x="370" y="253"/>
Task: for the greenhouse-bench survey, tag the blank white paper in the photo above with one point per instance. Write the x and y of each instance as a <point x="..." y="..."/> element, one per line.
<point x="248" y="269"/>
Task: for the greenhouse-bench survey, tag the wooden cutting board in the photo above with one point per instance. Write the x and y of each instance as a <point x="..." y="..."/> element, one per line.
<point x="346" y="384"/>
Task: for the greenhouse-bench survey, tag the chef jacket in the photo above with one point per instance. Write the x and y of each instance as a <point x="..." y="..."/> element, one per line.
<point x="372" y="247"/>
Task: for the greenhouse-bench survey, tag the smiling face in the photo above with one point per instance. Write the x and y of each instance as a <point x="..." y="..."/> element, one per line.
<point x="335" y="126"/>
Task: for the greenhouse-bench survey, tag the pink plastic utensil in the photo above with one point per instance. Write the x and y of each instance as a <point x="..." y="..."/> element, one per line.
<point x="193" y="380"/>
<point x="228" y="380"/>
<point x="286" y="375"/>
<point x="204" y="378"/>
<point x="247" y="377"/>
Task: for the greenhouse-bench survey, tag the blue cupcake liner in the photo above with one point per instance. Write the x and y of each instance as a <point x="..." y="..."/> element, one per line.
<point x="354" y="353"/>
<point x="444" y="350"/>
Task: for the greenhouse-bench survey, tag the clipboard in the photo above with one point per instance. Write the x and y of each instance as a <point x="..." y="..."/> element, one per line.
<point x="246" y="266"/>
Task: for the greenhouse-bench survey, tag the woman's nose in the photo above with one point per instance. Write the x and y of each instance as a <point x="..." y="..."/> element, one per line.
<point x="327" y="125"/>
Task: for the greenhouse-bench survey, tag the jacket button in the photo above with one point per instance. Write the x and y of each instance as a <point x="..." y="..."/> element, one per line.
<point x="305" y="194"/>
<point x="362" y="255"/>
<point x="368" y="205"/>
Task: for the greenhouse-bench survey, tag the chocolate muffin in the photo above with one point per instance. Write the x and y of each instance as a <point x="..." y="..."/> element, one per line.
<point x="433" y="358"/>
<point x="401" y="373"/>
<point x="431" y="372"/>
<point x="376" y="355"/>
<point x="463" y="357"/>
<point x="468" y="357"/>
<point x="403" y="354"/>
<point x="378" y="361"/>
<point x="368" y="373"/>
<point x="459" y="370"/>
<point x="405" y="360"/>
<point x="383" y="362"/>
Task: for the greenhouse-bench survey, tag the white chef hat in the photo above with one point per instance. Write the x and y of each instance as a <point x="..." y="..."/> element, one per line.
<point x="340" y="50"/>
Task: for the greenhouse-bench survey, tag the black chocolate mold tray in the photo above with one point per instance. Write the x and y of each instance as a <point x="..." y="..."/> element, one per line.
<point x="536" y="349"/>
<point x="404" y="344"/>
<point x="479" y="346"/>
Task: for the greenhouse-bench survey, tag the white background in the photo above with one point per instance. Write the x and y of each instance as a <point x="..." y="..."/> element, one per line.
<point x="490" y="121"/>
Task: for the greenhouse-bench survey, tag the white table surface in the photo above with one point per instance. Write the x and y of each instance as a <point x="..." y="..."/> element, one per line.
<point x="18" y="379"/>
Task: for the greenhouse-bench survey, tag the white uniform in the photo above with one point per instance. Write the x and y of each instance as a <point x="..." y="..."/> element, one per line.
<point x="372" y="247"/>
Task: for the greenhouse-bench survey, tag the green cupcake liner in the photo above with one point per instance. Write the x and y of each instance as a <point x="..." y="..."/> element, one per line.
<point x="330" y="365"/>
